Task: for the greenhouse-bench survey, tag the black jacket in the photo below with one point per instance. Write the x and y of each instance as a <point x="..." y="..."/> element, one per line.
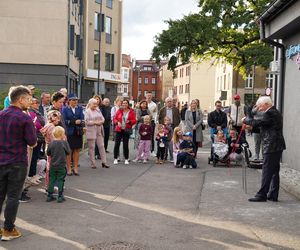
<point x="106" y="112"/>
<point x="270" y="130"/>
<point x="216" y="118"/>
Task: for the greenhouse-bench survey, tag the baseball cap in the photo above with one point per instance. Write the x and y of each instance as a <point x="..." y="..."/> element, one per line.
<point x="188" y="134"/>
<point x="237" y="97"/>
<point x="72" y="96"/>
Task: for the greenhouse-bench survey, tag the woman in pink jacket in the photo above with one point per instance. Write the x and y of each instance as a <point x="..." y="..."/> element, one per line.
<point x="94" y="132"/>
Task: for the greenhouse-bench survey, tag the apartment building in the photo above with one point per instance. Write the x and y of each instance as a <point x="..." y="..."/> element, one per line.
<point x="124" y="88"/>
<point x="40" y="43"/>
<point x="102" y="48"/>
<point x="195" y="80"/>
<point x="229" y="82"/>
<point x="146" y="78"/>
<point x="166" y="82"/>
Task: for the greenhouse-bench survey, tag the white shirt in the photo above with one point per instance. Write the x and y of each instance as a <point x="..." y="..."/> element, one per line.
<point x="169" y="113"/>
<point x="153" y="110"/>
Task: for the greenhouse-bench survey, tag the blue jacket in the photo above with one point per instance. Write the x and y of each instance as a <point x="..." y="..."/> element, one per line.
<point x="70" y="118"/>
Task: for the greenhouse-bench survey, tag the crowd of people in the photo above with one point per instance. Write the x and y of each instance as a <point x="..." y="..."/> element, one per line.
<point x="42" y="139"/>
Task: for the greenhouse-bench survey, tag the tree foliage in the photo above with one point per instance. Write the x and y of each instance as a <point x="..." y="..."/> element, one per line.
<point x="221" y="29"/>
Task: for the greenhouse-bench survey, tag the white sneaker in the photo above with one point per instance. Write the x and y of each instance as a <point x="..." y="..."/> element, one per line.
<point x="191" y="166"/>
<point x="184" y="166"/>
<point x="153" y="154"/>
<point x="116" y="161"/>
<point x="145" y="161"/>
<point x="126" y="162"/>
<point x="135" y="160"/>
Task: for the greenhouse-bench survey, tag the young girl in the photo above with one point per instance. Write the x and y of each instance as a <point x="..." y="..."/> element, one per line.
<point x="220" y="137"/>
<point x="176" y="140"/>
<point x="161" y="139"/>
<point x="169" y="132"/>
<point x="235" y="146"/>
<point x="145" y="132"/>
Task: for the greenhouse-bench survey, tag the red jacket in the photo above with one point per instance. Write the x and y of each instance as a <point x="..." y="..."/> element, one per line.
<point x="130" y="121"/>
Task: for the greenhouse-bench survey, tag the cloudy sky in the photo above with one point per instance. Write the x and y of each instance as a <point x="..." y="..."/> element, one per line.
<point x="143" y="19"/>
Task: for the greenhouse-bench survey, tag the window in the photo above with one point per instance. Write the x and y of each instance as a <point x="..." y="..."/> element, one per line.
<point x="109" y="4"/>
<point x="224" y="82"/>
<point x="228" y="81"/>
<point x="188" y="71"/>
<point x="98" y="1"/>
<point x="126" y="74"/>
<point x="140" y="80"/>
<point x="153" y="81"/>
<point x="109" y="62"/>
<point x="139" y="93"/>
<point x="146" y="80"/>
<point x="175" y="90"/>
<point x="96" y="59"/>
<point x="147" y="68"/>
<point x="125" y="89"/>
<point x="108" y="28"/>
<point x="153" y="93"/>
<point x="249" y="82"/>
<point x="187" y="88"/>
<point x="176" y="74"/>
<point x="96" y="22"/>
<point x="269" y="80"/>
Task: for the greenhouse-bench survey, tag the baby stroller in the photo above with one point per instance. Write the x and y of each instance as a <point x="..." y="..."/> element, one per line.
<point x="219" y="153"/>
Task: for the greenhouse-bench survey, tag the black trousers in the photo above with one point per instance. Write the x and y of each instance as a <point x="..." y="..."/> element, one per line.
<point x="270" y="176"/>
<point x="152" y="137"/>
<point x="34" y="159"/>
<point x="106" y="137"/>
<point x="12" y="179"/>
<point x="161" y="152"/>
<point x="125" y="137"/>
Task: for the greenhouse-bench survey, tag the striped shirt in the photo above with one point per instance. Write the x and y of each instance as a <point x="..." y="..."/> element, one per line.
<point x="16" y="132"/>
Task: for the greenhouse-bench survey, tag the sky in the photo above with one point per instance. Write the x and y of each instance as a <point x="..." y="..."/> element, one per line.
<point x="143" y="19"/>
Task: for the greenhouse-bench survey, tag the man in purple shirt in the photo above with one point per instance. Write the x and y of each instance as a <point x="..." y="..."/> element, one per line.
<point x="17" y="131"/>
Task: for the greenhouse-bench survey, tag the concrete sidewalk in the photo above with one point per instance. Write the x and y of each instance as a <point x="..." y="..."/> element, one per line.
<point x="149" y="206"/>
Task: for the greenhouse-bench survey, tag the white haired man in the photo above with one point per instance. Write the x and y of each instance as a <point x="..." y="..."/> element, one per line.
<point x="273" y="145"/>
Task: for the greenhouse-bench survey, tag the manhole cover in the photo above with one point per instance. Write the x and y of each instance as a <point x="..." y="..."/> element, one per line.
<point x="118" y="245"/>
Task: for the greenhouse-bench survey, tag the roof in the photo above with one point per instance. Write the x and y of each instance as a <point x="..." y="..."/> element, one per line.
<point x="275" y="9"/>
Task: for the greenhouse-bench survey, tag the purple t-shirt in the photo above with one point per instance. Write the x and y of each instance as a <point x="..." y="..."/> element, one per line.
<point x="148" y="130"/>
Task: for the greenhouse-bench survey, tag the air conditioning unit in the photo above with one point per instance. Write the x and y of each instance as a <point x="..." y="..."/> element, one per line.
<point x="274" y="67"/>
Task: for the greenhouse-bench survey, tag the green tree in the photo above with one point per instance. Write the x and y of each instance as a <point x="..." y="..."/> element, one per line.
<point x="221" y="29"/>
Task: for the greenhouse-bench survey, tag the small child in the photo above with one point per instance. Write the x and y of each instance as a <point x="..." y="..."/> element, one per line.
<point x="169" y="144"/>
<point x="235" y="146"/>
<point x="58" y="149"/>
<point x="186" y="156"/>
<point x="220" y="137"/>
<point x="145" y="132"/>
<point x="161" y="139"/>
<point x="176" y="140"/>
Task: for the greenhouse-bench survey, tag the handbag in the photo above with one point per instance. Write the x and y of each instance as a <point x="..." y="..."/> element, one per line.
<point x="128" y="131"/>
<point x="79" y="130"/>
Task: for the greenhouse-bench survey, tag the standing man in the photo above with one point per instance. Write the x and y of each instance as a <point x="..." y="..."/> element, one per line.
<point x="236" y="112"/>
<point x="217" y="120"/>
<point x="106" y="111"/>
<point x="170" y="111"/>
<point x="273" y="145"/>
<point x="17" y="131"/>
<point x="45" y="105"/>
<point x="152" y="107"/>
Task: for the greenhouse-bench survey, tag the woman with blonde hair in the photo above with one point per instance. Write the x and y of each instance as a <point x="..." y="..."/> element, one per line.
<point x="193" y="123"/>
<point x="177" y="139"/>
<point x="94" y="132"/>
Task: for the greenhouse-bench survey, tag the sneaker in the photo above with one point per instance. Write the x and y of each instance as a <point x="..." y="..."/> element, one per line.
<point x="191" y="166"/>
<point x="50" y="198"/>
<point x="153" y="154"/>
<point x="161" y="162"/>
<point x="60" y="199"/>
<point x="157" y="161"/>
<point x="172" y="161"/>
<point x="184" y="166"/>
<point x="10" y="235"/>
<point x="126" y="162"/>
<point x="135" y="160"/>
<point x="145" y="161"/>
<point x="24" y="198"/>
<point x="116" y="161"/>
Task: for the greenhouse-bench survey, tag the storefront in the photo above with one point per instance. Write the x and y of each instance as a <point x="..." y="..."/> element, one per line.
<point x="280" y="27"/>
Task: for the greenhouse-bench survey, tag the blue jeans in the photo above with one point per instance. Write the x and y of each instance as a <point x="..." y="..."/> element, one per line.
<point x="184" y="158"/>
<point x="12" y="179"/>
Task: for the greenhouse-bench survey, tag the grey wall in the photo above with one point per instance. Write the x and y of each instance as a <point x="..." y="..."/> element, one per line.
<point x="291" y="111"/>
<point x="46" y="77"/>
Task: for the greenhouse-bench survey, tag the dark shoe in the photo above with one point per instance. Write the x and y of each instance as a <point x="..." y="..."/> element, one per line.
<point x="76" y="174"/>
<point x="24" y="198"/>
<point x="257" y="199"/>
<point x="69" y="174"/>
<point x="106" y="151"/>
<point x="60" y="199"/>
<point x="50" y="198"/>
<point x="104" y="165"/>
<point x="272" y="199"/>
<point x="93" y="167"/>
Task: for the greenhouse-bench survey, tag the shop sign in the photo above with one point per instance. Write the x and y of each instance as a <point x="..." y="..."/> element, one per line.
<point x="292" y="51"/>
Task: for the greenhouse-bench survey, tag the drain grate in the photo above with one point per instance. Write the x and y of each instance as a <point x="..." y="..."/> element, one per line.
<point x="118" y="245"/>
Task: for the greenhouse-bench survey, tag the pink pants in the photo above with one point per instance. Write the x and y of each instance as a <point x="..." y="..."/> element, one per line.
<point x="100" y="143"/>
<point x="144" y="148"/>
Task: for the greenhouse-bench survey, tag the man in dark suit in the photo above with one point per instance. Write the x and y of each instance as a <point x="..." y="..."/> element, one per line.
<point x="273" y="144"/>
<point x="106" y="112"/>
<point x="170" y="111"/>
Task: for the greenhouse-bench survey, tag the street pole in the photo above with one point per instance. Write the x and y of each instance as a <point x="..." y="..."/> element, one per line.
<point x="99" y="44"/>
<point x="138" y="87"/>
<point x="253" y="85"/>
